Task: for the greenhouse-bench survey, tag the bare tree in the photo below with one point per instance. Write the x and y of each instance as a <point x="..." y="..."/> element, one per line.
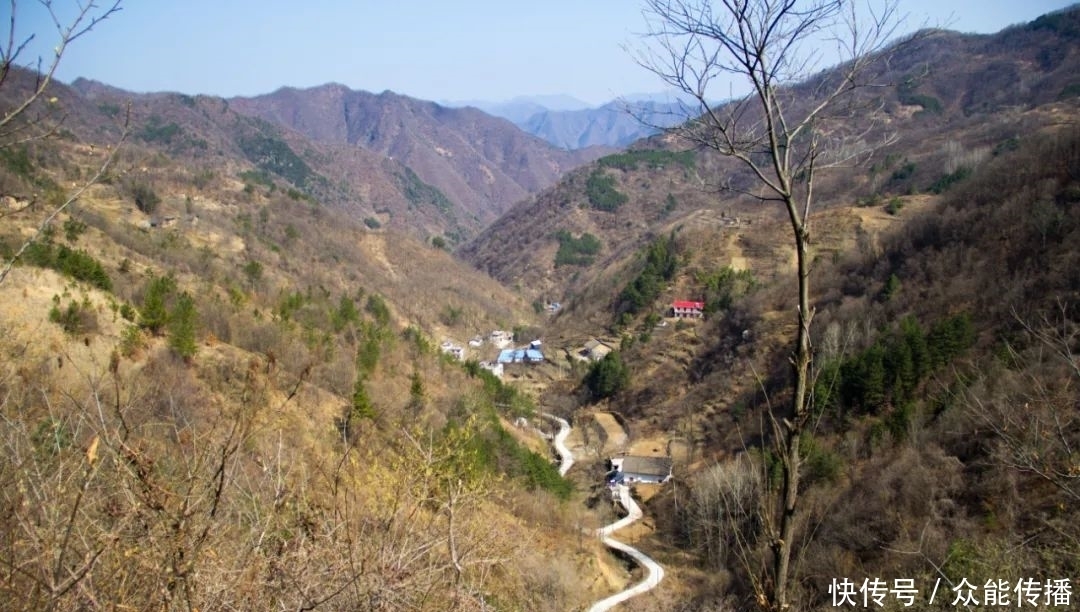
<point x="1031" y="409"/>
<point x="27" y="119"/>
<point x="784" y="131"/>
<point x="88" y="15"/>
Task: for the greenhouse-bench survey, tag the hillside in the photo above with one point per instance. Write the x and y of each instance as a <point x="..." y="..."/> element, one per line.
<point x="209" y="135"/>
<point x="943" y="110"/>
<point x="221" y="383"/>
<point x="226" y="389"/>
<point x="944" y="332"/>
<point x="481" y="163"/>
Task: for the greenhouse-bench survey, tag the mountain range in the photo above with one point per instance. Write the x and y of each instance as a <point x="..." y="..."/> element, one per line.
<point x="479" y="162"/>
<point x="229" y="378"/>
<point x="571" y="124"/>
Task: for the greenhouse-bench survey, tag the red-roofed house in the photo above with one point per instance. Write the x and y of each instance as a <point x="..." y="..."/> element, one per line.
<point x="688" y="310"/>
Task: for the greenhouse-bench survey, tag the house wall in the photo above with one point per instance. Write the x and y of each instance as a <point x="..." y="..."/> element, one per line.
<point x="649" y="478"/>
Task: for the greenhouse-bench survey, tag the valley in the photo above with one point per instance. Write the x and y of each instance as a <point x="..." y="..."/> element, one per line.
<point x="292" y="350"/>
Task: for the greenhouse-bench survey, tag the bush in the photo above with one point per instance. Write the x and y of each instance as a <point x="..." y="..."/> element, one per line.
<point x="131" y="340"/>
<point x="253" y="270"/>
<point x="888" y="372"/>
<point x="79" y="265"/>
<point x="497" y="451"/>
<point x="376" y="307"/>
<point x="127" y="312"/>
<point x="905" y="171"/>
<point x="722" y="287"/>
<point x="345" y="314"/>
<point x="362" y="407"/>
<point x="77" y="318"/>
<point x="73" y="228"/>
<point x="145" y="198"/>
<point x="944" y="183"/>
<point x="601" y="192"/>
<point x="909" y="97"/>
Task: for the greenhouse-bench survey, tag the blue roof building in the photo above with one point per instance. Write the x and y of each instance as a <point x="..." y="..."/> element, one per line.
<point x="521" y="355"/>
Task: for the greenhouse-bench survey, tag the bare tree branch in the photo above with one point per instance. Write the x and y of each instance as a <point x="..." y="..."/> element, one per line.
<point x="72" y="198"/>
<point x="16" y="127"/>
<point x="788" y="127"/>
<point x="89" y="15"/>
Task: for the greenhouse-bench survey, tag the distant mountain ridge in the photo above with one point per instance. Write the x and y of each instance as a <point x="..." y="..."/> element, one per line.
<point x="615" y="124"/>
<point x="211" y="136"/>
<point x="521" y="108"/>
<point x="569" y="123"/>
<point x="482" y="163"/>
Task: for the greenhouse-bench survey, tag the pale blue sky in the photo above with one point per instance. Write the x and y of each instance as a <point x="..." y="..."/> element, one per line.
<point x="437" y="50"/>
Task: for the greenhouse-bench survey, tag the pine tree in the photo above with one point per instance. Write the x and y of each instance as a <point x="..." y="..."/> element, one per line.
<point x="362" y="408"/>
<point x="154" y="314"/>
<point x="416" y="392"/>
<point x="182" y="323"/>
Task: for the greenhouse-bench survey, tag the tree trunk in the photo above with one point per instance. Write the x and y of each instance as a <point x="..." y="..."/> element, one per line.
<point x="792" y="429"/>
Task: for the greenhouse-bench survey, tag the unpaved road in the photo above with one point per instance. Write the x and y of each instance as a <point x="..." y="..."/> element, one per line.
<point x="654" y="573"/>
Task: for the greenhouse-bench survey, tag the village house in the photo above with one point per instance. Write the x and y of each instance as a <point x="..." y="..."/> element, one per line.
<point x="520" y="355"/>
<point x="684" y="309"/>
<point x="455" y="351"/>
<point x="594" y="350"/>
<point x="501" y="339"/>
<point x="633" y="469"/>
<point x="493" y="367"/>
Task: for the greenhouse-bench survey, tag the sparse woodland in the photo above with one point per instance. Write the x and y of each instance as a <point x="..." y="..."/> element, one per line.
<point x="220" y="384"/>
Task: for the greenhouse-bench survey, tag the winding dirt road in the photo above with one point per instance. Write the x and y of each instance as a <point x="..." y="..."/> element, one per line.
<point x="654" y="573"/>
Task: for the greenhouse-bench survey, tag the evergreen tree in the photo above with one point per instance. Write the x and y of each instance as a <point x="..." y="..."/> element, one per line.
<point x="182" y="323"/>
<point x="154" y="312"/>
<point x="345" y="313"/>
<point x="362" y="408"/>
<point x="916" y="340"/>
<point x="607" y="376"/>
<point x="416" y="389"/>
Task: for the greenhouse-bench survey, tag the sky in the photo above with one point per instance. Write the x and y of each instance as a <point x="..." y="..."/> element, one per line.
<point x="491" y="50"/>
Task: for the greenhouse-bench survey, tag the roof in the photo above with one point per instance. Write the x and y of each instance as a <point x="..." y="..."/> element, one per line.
<point x="687" y="304"/>
<point x="651" y="466"/>
<point x="594" y="344"/>
<point x="519" y="355"/>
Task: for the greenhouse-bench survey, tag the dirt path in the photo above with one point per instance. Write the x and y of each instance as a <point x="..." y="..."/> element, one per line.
<point x="654" y="572"/>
